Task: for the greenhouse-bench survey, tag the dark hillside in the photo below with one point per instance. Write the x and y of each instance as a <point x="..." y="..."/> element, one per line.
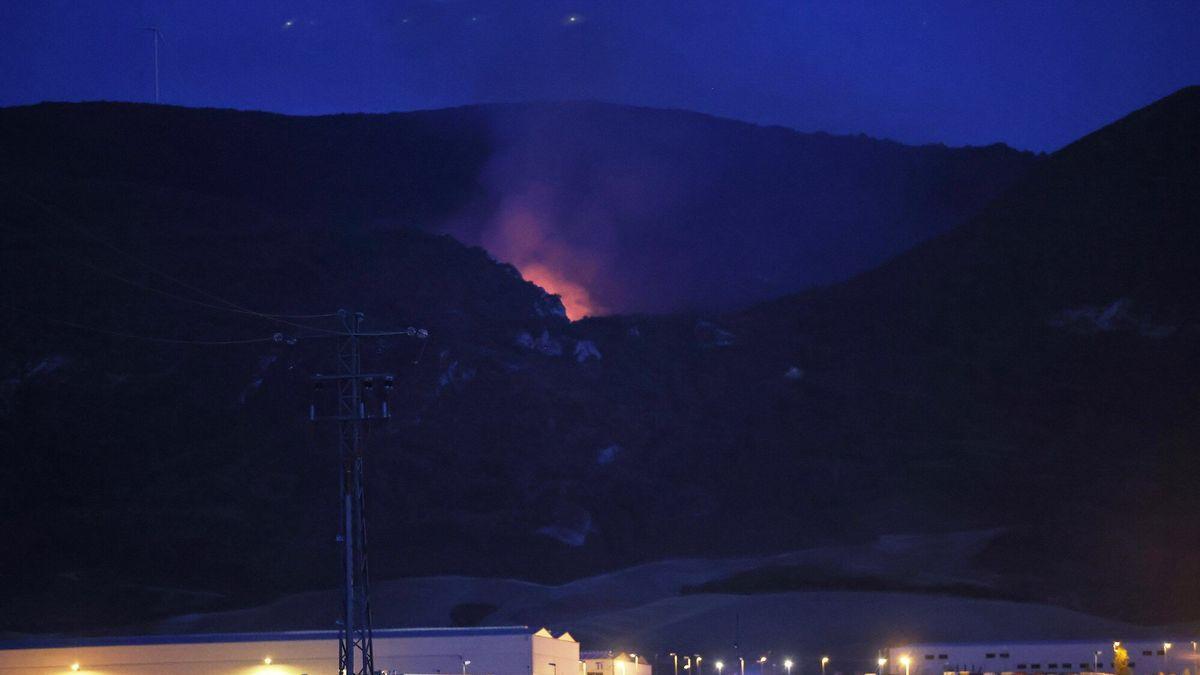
<point x="1052" y="344"/>
<point x="619" y="209"/>
<point x="1032" y="371"/>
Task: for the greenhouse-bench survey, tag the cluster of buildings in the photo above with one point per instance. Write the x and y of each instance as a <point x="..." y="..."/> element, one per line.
<point x="519" y="650"/>
<point x="1042" y="658"/>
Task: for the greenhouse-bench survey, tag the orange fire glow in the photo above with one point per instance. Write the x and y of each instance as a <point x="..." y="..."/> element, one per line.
<point x="521" y="236"/>
<point x="575" y="298"/>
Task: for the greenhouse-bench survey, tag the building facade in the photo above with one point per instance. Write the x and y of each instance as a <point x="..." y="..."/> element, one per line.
<point x="1171" y="657"/>
<point x="513" y="650"/>
<point x="610" y="663"/>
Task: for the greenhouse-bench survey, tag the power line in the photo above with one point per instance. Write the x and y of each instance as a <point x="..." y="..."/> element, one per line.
<point x="148" y="338"/>
<point x="231" y="306"/>
<point x="419" y="333"/>
<point x="182" y="298"/>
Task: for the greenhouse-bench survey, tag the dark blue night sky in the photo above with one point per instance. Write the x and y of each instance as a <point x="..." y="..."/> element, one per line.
<point x="1032" y="74"/>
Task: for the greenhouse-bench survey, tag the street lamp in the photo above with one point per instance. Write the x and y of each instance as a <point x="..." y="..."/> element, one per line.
<point x="1166" y="648"/>
<point x="720" y="666"/>
<point x="824" y="662"/>
<point x="742" y="665"/>
<point x="1096" y="662"/>
<point x="466" y="662"/>
<point x="882" y="662"/>
<point x="787" y="665"/>
<point x="762" y="662"/>
<point x="687" y="662"/>
<point x="905" y="661"/>
<point x="675" y="661"/>
<point x="699" y="668"/>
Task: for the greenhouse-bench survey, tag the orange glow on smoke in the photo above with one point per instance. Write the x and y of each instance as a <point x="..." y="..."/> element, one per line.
<point x="575" y="298"/>
<point x="522" y="236"/>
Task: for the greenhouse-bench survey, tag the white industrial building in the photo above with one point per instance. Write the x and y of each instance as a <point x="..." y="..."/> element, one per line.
<point x="513" y="650"/>
<point x="612" y="663"/>
<point x="1045" y="658"/>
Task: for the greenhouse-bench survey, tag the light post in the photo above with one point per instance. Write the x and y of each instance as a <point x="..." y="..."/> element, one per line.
<point x="1166" y="648"/>
<point x="825" y="662"/>
<point x="882" y="662"/>
<point x="1096" y="662"/>
<point x="742" y="665"/>
<point x="762" y="663"/>
<point x="699" y="667"/>
<point x="675" y="661"/>
<point x="687" y="662"/>
<point x="720" y="666"/>
<point x="787" y="665"/>
<point x="466" y="662"/>
<point x="905" y="661"/>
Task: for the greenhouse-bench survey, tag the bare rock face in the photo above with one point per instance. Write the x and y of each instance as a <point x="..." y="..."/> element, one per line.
<point x="548" y="345"/>
<point x="571" y="525"/>
<point x="586" y="350"/>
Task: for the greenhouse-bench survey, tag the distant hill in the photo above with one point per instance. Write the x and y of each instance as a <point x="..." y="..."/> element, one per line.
<point x="1030" y="371"/>
<point x="619" y="209"/>
<point x="1038" y="364"/>
<point x="640" y="608"/>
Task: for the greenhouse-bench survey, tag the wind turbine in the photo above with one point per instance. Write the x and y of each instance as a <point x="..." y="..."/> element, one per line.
<point x="157" y="39"/>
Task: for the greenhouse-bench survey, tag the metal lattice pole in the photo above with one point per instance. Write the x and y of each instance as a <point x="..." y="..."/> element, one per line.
<point x="352" y="414"/>
<point x="355" y="648"/>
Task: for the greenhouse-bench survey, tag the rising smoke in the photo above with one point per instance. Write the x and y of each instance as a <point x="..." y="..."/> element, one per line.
<point x="528" y="232"/>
